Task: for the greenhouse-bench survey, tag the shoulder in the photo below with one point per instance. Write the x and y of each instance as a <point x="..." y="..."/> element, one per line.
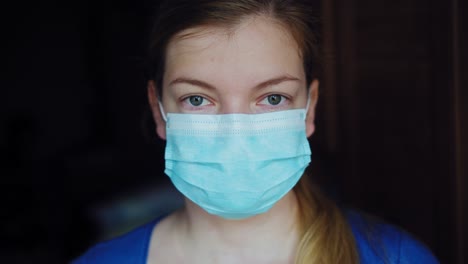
<point x="379" y="242"/>
<point x="131" y="247"/>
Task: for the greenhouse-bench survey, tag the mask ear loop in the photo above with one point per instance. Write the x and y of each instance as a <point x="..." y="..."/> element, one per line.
<point x="307" y="107"/>
<point x="161" y="109"/>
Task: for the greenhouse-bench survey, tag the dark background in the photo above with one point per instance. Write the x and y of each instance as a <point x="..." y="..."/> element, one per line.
<point x="80" y="162"/>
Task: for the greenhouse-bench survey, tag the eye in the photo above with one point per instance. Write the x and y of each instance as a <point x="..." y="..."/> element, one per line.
<point x="196" y="100"/>
<point x="273" y="99"/>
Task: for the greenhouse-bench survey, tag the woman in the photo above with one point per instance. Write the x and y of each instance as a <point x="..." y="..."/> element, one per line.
<point x="233" y="92"/>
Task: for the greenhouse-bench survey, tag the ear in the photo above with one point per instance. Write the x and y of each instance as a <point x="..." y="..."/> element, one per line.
<point x="156" y="111"/>
<point x="310" y="117"/>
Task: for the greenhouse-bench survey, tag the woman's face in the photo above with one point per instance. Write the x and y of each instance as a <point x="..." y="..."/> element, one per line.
<point x="256" y="69"/>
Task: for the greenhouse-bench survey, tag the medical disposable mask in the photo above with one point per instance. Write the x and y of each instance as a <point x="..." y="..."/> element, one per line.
<point x="236" y="165"/>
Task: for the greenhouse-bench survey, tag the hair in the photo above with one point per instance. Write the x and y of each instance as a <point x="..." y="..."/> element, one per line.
<point x="326" y="236"/>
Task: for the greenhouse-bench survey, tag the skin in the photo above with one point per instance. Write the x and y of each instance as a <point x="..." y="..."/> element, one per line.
<point x="231" y="73"/>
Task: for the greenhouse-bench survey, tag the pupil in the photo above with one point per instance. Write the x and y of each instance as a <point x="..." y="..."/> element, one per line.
<point x="274" y="99"/>
<point x="196" y="100"/>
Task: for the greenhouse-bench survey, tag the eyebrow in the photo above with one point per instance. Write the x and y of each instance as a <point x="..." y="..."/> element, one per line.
<point x="199" y="83"/>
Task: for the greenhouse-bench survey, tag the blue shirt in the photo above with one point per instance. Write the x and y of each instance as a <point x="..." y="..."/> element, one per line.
<point x="376" y="243"/>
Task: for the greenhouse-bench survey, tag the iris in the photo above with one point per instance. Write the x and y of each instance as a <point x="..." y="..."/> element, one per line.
<point x="196" y="100"/>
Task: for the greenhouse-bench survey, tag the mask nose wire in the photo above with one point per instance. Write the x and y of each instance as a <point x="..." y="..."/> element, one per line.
<point x="162" y="111"/>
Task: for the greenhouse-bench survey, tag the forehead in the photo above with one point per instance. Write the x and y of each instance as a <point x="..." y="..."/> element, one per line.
<point x="254" y="48"/>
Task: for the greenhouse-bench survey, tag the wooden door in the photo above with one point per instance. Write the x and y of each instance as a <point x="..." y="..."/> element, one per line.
<point x="394" y="114"/>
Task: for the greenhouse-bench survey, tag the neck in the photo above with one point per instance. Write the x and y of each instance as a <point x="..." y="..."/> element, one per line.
<point x="255" y="236"/>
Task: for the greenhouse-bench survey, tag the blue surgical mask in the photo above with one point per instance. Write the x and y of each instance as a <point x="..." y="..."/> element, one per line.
<point x="236" y="165"/>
